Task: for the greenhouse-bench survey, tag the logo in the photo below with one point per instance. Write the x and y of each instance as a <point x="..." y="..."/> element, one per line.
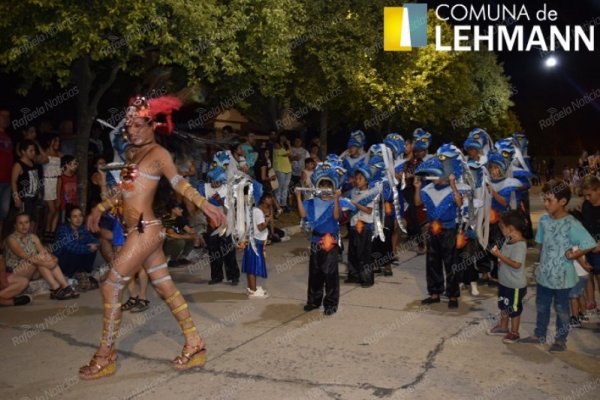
<point x="405" y="27"/>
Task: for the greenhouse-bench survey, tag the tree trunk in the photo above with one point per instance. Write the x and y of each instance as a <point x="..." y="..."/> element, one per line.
<point x="323" y="131"/>
<point x="87" y="110"/>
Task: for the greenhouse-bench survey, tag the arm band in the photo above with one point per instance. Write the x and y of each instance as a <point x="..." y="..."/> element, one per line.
<point x="184" y="188"/>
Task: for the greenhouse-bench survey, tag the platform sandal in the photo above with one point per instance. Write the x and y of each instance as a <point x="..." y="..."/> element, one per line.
<point x="99" y="366"/>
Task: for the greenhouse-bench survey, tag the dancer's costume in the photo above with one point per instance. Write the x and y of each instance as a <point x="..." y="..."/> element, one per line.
<point x="360" y="260"/>
<point x="472" y="243"/>
<point x="104" y="365"/>
<point x="324" y="238"/>
<point x="442" y="213"/>
<point x="221" y="249"/>
<point x="253" y="261"/>
<point x="358" y="140"/>
<point x="521" y="170"/>
<point x="414" y="217"/>
<point x="505" y="187"/>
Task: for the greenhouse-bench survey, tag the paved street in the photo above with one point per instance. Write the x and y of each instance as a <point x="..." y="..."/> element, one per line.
<point x="381" y="344"/>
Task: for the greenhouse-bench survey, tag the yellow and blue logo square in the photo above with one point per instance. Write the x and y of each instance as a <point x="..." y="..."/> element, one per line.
<point x="405" y="27"/>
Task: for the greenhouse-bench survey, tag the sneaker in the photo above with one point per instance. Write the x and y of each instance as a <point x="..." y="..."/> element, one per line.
<point x="22" y="300"/>
<point x="286" y="238"/>
<point x="215" y="281"/>
<point x="453" y="304"/>
<point x="497" y="331"/>
<point x="431" y="300"/>
<point x="558" y="347"/>
<point x="474" y="290"/>
<point x="310" y="307"/>
<point x="511" y="337"/>
<point x="235" y="282"/>
<point x="574" y="322"/>
<point x="583" y="317"/>
<point x="531" y="340"/>
<point x="259" y="294"/>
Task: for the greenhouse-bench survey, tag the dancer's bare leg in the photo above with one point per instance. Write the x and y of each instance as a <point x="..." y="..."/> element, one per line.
<point x="193" y="353"/>
<point x="142" y="276"/>
<point x="127" y="262"/>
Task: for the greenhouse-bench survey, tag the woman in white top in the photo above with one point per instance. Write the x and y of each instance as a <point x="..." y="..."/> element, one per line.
<point x="52" y="171"/>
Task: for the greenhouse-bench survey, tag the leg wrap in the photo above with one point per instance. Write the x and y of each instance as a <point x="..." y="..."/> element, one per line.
<point x="112" y="309"/>
<point x="179" y="309"/>
<point x="161" y="279"/>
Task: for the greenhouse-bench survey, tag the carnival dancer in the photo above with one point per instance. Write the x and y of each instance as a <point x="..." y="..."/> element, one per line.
<point x="360" y="265"/>
<point x="253" y="262"/>
<point x="442" y="198"/>
<point x="321" y="214"/>
<point x="139" y="183"/>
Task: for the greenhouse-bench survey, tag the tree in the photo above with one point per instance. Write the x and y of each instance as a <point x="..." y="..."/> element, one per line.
<point x="88" y="43"/>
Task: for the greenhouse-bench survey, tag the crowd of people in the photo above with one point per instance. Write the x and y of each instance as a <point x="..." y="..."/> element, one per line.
<point x="467" y="210"/>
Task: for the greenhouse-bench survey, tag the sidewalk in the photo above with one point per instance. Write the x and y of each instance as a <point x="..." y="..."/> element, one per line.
<point x="381" y="344"/>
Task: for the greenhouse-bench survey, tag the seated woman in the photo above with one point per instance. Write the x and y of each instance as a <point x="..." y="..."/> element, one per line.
<point x="26" y="257"/>
<point x="11" y="287"/>
<point x="76" y="249"/>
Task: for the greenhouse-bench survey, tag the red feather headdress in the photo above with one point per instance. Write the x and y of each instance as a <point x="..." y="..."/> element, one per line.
<point x="160" y="107"/>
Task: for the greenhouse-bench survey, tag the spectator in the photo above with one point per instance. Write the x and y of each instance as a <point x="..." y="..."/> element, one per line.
<point x="315" y="153"/>
<point x="11" y="287"/>
<point x="309" y="168"/>
<point x="67" y="137"/>
<point x="76" y="249"/>
<point x="250" y="153"/>
<point x="25" y="182"/>
<point x="271" y="144"/>
<point x="51" y="173"/>
<point x="181" y="237"/>
<point x="6" y="164"/>
<point x="67" y="182"/>
<point x="299" y="154"/>
<point x="237" y="151"/>
<point x="26" y="257"/>
<point x="283" y="170"/>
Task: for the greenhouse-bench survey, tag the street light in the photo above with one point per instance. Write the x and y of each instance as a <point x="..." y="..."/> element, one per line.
<point x="551" y="62"/>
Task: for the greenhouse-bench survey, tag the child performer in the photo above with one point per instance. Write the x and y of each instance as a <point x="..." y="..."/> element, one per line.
<point x="253" y="262"/>
<point x="360" y="268"/>
<point x="322" y="213"/>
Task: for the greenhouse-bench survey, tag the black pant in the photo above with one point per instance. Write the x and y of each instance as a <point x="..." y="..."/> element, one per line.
<point x="72" y="263"/>
<point x="221" y="250"/>
<point x="441" y="255"/>
<point x="360" y="262"/>
<point x="467" y="259"/>
<point x="383" y="252"/>
<point x="413" y="228"/>
<point x="323" y="270"/>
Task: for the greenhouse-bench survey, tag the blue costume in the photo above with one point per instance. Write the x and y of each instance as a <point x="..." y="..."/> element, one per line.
<point x="324" y="240"/>
<point x="360" y="262"/>
<point x="442" y="212"/>
<point x="221" y="249"/>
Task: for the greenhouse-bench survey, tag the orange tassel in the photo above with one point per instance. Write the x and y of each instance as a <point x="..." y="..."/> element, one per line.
<point x="461" y="240"/>
<point x="436" y="227"/>
<point x="360" y="226"/>
<point x="328" y="242"/>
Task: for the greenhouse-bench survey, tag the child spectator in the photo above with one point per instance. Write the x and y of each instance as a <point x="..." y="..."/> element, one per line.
<point x="309" y="168"/>
<point x="253" y="263"/>
<point x="67" y="183"/>
<point x="583" y="268"/>
<point x="512" y="281"/>
<point x="26" y="257"/>
<point x="558" y="232"/>
<point x="25" y="182"/>
<point x="52" y="172"/>
<point x="76" y="249"/>
<point x="590" y="211"/>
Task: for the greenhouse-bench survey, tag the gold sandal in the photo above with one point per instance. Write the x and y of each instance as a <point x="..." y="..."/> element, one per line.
<point x="99" y="366"/>
<point x="190" y="359"/>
